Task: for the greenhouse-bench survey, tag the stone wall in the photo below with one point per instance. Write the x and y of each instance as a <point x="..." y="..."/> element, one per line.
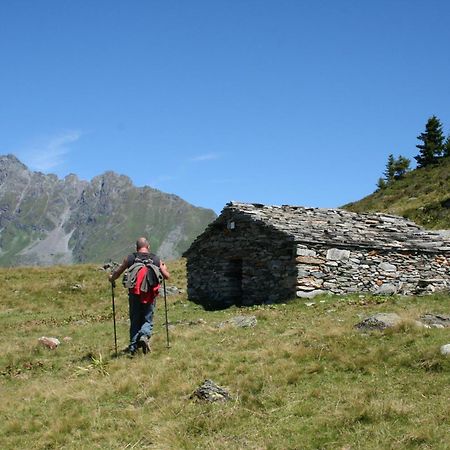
<point x="266" y="261"/>
<point x="342" y="271"/>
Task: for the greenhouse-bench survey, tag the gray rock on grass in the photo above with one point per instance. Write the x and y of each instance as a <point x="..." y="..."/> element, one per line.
<point x="445" y="350"/>
<point x="436" y="320"/>
<point x="172" y="290"/>
<point x="244" y="321"/>
<point x="240" y="322"/>
<point x="50" y="343"/>
<point x="379" y="321"/>
<point x="211" y="392"/>
<point x="387" y="289"/>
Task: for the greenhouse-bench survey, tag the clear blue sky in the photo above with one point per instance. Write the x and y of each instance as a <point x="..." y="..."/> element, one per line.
<point x="271" y="101"/>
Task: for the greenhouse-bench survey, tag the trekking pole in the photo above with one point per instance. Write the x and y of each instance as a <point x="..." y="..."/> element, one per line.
<point x="114" y="315"/>
<point x="167" y="320"/>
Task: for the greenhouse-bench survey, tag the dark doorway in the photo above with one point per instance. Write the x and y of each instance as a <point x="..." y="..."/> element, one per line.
<point x="234" y="277"/>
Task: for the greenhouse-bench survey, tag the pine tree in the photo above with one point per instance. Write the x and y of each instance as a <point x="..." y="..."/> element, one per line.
<point x="433" y="143"/>
<point x="395" y="169"/>
<point x="401" y="166"/>
<point x="381" y="184"/>
<point x="446" y="152"/>
<point x="390" y="169"/>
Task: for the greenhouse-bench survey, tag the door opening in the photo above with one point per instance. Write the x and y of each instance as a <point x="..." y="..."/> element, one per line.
<point x="234" y="277"/>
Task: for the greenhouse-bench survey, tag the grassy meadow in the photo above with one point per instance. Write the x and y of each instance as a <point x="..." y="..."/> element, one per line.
<point x="303" y="378"/>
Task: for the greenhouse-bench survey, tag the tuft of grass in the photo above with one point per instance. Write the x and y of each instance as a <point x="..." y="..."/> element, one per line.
<point x="97" y="364"/>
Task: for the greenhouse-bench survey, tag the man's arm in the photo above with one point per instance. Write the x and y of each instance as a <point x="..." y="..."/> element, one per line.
<point x="116" y="274"/>
<point x="164" y="271"/>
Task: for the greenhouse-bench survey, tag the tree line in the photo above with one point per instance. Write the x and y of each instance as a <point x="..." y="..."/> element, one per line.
<point x="432" y="149"/>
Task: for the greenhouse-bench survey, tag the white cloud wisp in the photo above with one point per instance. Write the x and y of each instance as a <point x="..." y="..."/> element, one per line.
<point x="46" y="154"/>
<point x="205" y="157"/>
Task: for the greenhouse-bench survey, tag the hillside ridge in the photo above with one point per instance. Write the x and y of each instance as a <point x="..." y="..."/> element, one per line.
<point x="422" y="195"/>
<point x="46" y="220"/>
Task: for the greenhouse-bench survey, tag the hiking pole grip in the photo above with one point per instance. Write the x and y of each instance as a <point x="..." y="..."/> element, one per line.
<point x="114" y="317"/>
<point x="165" y="308"/>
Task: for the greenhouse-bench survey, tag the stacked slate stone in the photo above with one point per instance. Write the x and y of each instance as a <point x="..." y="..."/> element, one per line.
<point x="345" y="271"/>
<point x="259" y="254"/>
<point x="240" y="260"/>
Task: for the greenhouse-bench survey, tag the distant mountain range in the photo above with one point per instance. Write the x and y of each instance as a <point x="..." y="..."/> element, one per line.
<point x="45" y="220"/>
<point x="422" y="195"/>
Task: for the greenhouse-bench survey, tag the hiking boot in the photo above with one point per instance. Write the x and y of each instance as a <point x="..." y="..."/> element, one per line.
<point x="143" y="343"/>
<point x="129" y="351"/>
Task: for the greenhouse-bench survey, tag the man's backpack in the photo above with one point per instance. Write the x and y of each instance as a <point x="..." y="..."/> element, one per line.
<point x="154" y="276"/>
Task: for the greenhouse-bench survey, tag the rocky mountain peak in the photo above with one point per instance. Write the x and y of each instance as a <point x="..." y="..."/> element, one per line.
<point x="47" y="220"/>
<point x="10" y="160"/>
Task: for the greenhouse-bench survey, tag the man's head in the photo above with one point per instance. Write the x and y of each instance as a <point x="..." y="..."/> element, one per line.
<point x="142" y="244"/>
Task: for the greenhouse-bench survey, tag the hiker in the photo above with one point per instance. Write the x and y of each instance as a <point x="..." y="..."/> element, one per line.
<point x="142" y="293"/>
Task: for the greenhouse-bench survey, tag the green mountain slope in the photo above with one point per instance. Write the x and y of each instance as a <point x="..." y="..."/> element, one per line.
<point x="423" y="196"/>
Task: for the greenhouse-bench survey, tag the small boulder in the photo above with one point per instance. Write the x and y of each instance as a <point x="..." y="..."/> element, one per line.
<point x="244" y="321"/>
<point x="387" y="289"/>
<point x="445" y="350"/>
<point x="173" y="290"/>
<point x="240" y="322"/>
<point x="436" y="320"/>
<point x="50" y="343"/>
<point x="211" y="392"/>
<point x="379" y="321"/>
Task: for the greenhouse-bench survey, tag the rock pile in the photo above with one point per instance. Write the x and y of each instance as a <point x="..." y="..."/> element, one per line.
<point x="211" y="392"/>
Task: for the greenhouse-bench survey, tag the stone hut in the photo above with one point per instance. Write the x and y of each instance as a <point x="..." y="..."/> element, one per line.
<point x="254" y="254"/>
